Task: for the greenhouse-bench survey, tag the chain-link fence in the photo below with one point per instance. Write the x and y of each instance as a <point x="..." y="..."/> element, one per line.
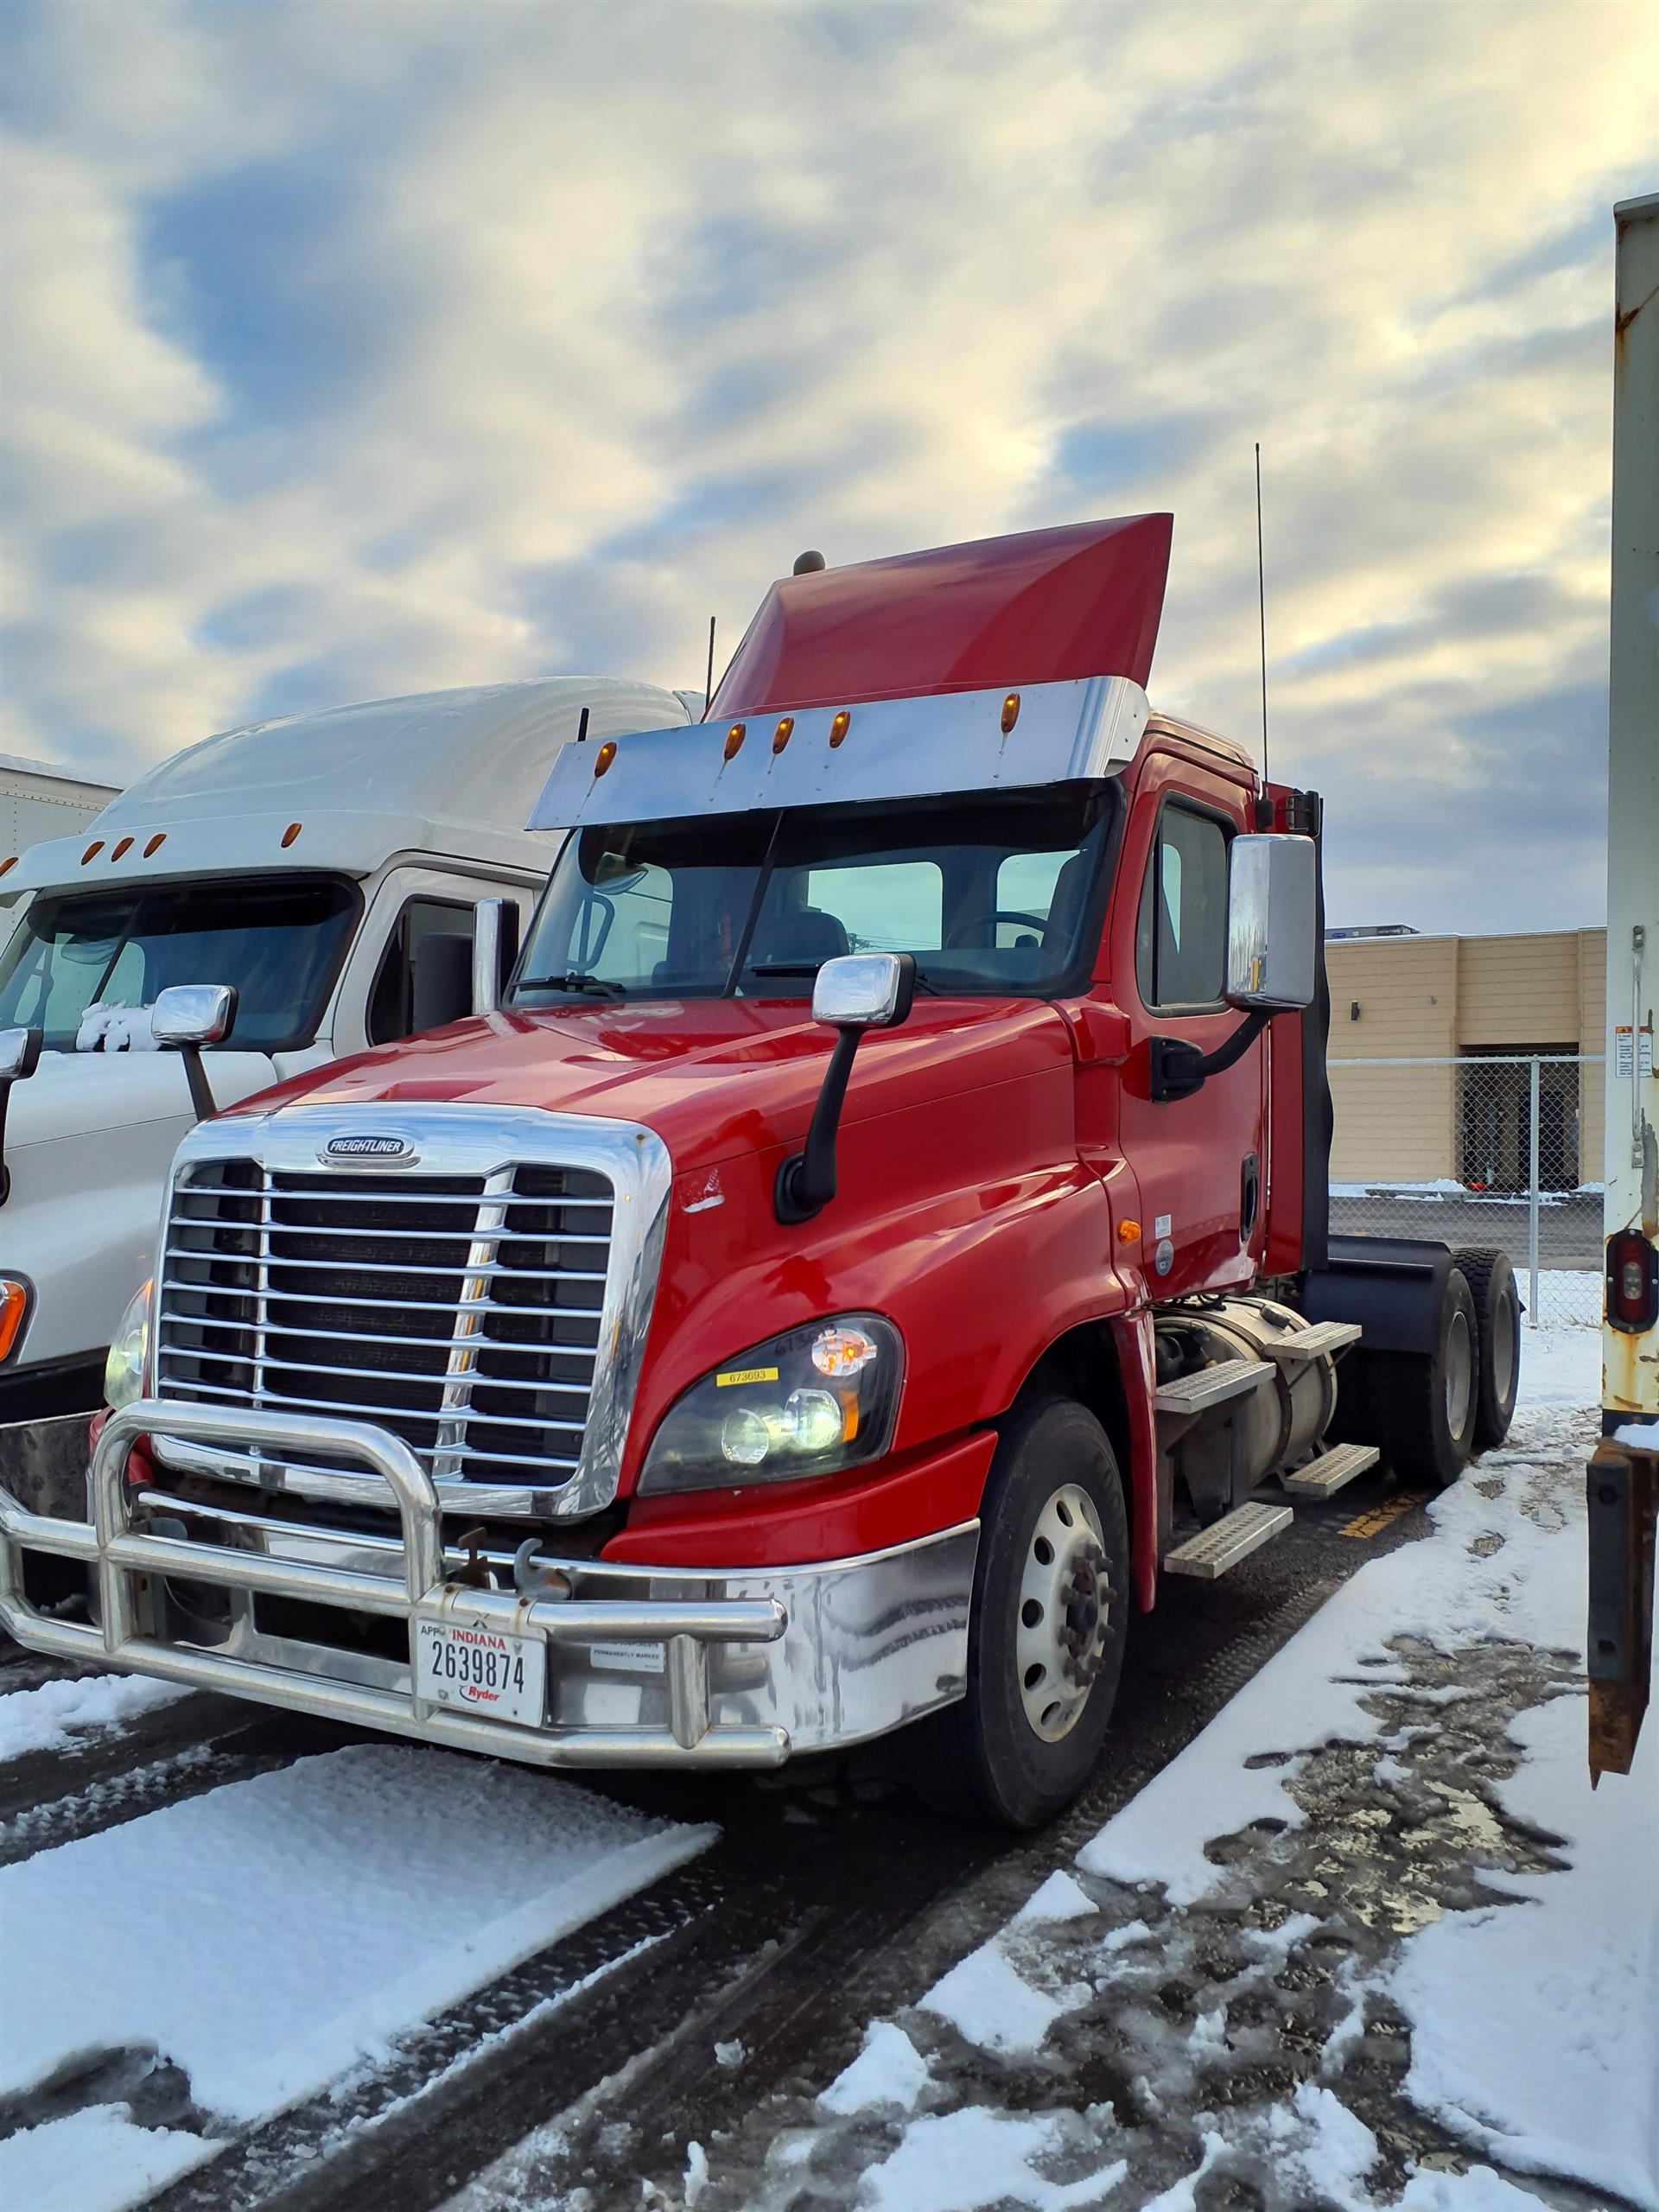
<point x="1489" y="1148"/>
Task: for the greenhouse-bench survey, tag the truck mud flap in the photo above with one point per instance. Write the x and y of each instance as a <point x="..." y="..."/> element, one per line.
<point x="1622" y="1496"/>
<point x="1392" y="1286"/>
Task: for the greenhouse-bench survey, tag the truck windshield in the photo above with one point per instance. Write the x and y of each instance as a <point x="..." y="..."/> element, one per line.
<point x="992" y="894"/>
<point x="279" y="941"/>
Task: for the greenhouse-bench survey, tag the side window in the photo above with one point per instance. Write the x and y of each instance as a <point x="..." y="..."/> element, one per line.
<point x="426" y="975"/>
<point x="1180" y="954"/>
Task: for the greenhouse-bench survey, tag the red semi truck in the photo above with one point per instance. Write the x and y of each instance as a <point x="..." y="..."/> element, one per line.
<point x="880" y="1234"/>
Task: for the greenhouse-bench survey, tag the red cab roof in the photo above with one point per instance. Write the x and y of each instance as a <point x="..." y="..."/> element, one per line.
<point x="1040" y="607"/>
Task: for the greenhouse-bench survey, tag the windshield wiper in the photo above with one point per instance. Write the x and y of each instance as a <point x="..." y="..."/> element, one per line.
<point x="573" y="982"/>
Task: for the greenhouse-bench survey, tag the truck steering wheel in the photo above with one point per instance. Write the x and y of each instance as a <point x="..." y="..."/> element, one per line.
<point x="1038" y="922"/>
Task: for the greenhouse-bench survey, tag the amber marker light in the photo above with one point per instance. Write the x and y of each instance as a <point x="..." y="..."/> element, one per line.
<point x="1128" y="1232"/>
<point x="291" y="834"/>
<point x="1010" y="712"/>
<point x="603" y="759"/>
<point x="155" y="844"/>
<point x="839" y="728"/>
<point x="13" y="1299"/>
<point x="781" y="735"/>
<point x="10" y="861"/>
<point x="734" y="738"/>
<point x="125" y="846"/>
<point x="92" y="851"/>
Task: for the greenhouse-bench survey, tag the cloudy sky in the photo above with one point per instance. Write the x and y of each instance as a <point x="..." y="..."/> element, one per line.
<point x="357" y="348"/>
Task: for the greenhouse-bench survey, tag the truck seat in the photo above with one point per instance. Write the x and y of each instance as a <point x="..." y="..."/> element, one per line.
<point x="809" y="935"/>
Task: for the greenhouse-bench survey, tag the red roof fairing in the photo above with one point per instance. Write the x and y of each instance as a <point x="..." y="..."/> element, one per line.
<point x="1041" y="606"/>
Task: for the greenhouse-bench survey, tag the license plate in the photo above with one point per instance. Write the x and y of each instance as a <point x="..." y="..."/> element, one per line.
<point x="480" y="1670"/>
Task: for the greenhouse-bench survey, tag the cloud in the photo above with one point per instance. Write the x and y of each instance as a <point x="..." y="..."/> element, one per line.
<point x="351" y="351"/>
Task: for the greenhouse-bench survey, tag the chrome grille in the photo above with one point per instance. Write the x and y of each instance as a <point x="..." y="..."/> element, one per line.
<point x="460" y="1312"/>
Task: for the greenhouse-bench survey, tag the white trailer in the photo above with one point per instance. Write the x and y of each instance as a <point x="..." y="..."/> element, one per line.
<point x="1623" y="1479"/>
<point x="37" y="801"/>
<point x="332" y="869"/>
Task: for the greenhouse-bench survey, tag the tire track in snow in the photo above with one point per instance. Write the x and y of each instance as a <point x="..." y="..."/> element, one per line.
<point x="217" y="1960"/>
<point x="93" y="1778"/>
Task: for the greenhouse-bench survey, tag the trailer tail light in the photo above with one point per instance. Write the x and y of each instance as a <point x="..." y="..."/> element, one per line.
<point x="1632" y="1283"/>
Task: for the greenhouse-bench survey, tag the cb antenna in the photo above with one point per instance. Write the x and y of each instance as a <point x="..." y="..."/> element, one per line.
<point x="708" y="680"/>
<point x="1262" y="610"/>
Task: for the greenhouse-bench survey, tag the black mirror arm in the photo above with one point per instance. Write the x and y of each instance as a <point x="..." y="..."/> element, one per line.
<point x="31" y="1060"/>
<point x="806" y="1181"/>
<point x="1176" y="1069"/>
<point x="201" y="1094"/>
<point x="5" y="1172"/>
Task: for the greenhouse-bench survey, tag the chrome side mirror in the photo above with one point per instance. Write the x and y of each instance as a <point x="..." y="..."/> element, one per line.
<point x="188" y="1016"/>
<point x="865" y="990"/>
<point x="192" y="1013"/>
<point x="854" y="992"/>
<point x="20" y="1055"/>
<point x="1272" y="950"/>
<point x="495" y="947"/>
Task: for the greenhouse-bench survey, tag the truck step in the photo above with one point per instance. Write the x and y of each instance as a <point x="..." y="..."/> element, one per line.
<point x="1320" y="1477"/>
<point x="1211" y="1386"/>
<point x="1213" y="1550"/>
<point x="1309" y="1343"/>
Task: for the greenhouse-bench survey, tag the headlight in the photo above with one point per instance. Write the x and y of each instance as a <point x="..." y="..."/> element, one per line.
<point x="821" y="1398"/>
<point x="123" y="1370"/>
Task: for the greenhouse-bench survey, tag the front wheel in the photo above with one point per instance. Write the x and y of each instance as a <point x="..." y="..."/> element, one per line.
<point x="1045" y="1635"/>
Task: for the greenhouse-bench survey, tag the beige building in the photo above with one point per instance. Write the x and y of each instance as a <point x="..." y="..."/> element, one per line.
<point x="1476" y="1000"/>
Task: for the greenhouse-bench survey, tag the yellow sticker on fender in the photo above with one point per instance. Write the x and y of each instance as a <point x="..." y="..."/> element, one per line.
<point x="746" y="1375"/>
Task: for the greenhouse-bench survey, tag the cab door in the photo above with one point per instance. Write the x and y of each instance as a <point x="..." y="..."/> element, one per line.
<point x="1201" y="1161"/>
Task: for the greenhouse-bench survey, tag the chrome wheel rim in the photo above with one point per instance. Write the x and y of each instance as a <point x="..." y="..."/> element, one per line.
<point x="1460" y="1374"/>
<point x="1064" y="1610"/>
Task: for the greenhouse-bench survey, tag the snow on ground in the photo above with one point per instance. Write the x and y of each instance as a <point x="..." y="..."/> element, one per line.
<point x="1368" y="1942"/>
<point x="59" y="2167"/>
<point x="53" y="1716"/>
<point x="266" y="1936"/>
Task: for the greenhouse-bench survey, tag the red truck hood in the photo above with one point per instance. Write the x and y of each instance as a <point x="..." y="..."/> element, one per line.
<point x="715" y="1077"/>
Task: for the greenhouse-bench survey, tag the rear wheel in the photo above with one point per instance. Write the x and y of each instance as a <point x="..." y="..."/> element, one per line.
<point x="1426" y="1402"/>
<point x="1045" y="1635"/>
<point x="1492" y="1285"/>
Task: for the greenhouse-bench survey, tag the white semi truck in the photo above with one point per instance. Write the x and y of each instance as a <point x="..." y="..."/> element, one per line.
<point x="333" y="870"/>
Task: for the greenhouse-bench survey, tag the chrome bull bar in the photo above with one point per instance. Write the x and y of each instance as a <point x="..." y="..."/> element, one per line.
<point x="121" y="1556"/>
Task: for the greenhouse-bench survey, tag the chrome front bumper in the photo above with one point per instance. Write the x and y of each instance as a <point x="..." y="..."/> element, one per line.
<point x="649" y="1666"/>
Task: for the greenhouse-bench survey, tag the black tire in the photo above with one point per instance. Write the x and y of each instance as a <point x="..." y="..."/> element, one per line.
<point x="1492" y="1285"/>
<point x="985" y="1757"/>
<point x="1426" y="1402"/>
